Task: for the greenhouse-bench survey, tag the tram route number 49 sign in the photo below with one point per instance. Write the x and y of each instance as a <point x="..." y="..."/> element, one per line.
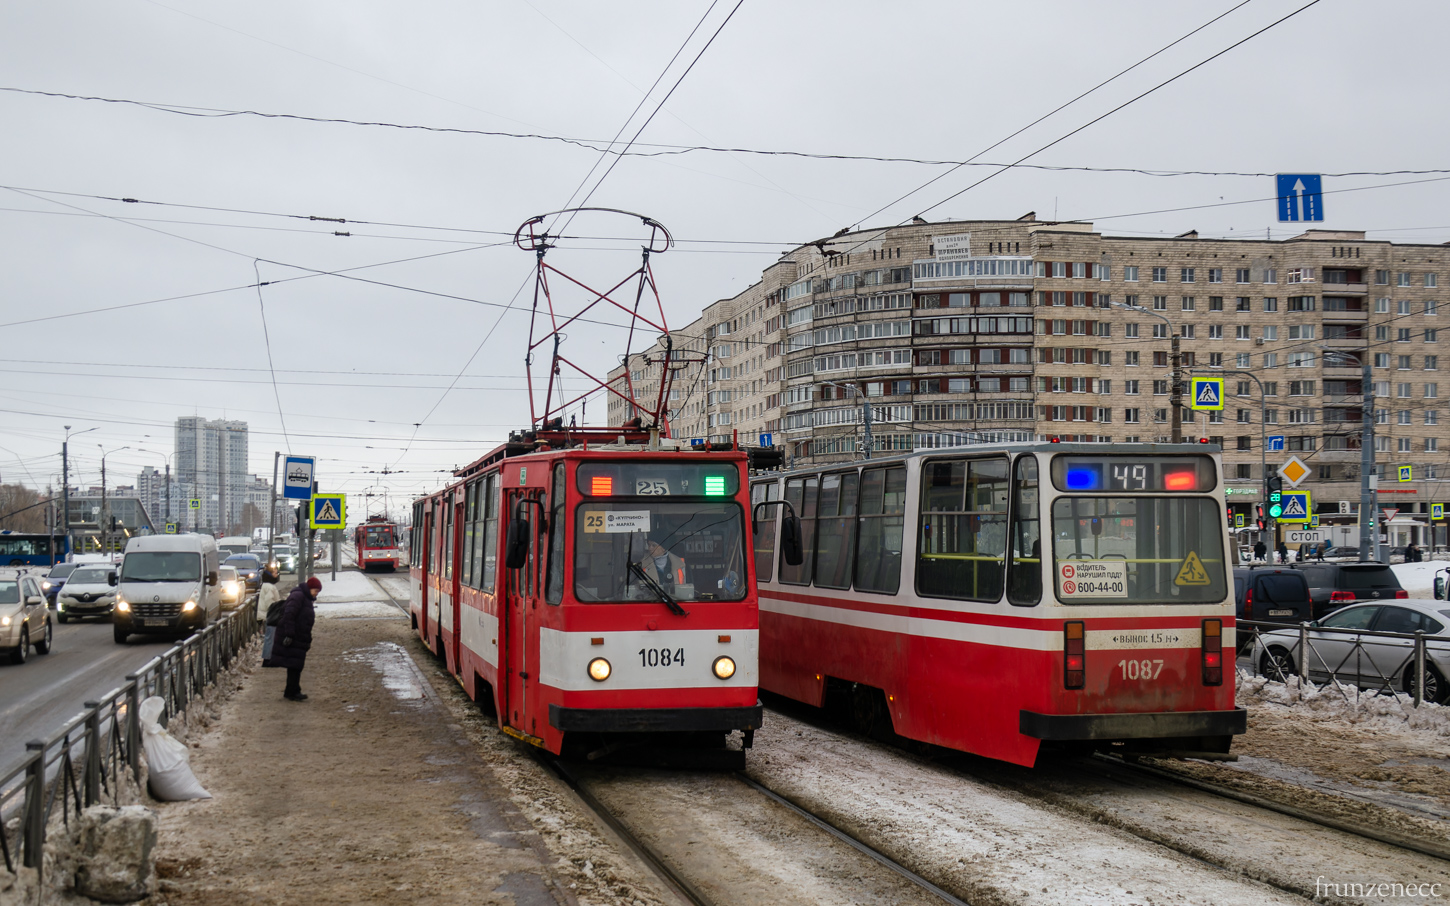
<point x="1092" y="579"/>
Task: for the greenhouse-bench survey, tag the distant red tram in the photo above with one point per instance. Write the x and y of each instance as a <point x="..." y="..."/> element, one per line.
<point x="594" y="592"/>
<point x="999" y="599"/>
<point x="377" y="544"/>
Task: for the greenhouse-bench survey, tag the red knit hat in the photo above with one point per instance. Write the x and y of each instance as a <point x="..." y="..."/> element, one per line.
<point x="314" y="583"/>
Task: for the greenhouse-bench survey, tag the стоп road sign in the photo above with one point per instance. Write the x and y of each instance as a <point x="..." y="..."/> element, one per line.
<point x="1302" y="536"/>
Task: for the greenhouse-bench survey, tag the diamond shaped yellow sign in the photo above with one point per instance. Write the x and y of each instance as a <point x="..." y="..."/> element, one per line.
<point x="1294" y="471"/>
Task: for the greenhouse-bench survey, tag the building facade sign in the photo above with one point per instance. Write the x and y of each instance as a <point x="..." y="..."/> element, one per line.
<point x="947" y="248"/>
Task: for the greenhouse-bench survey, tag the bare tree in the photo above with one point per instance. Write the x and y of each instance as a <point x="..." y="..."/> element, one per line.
<point x="22" y="509"/>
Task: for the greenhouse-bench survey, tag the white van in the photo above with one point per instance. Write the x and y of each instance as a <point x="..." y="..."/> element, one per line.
<point x="167" y="583"/>
<point x="234" y="544"/>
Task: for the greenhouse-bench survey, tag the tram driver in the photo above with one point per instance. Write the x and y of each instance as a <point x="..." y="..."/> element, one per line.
<point x="662" y="565"/>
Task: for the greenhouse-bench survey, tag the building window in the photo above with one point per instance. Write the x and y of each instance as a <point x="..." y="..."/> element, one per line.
<point x="1382" y="278"/>
<point x="1160" y="388"/>
<point x="1187" y="332"/>
<point x="1160" y="331"/>
<point x="1241" y="332"/>
<point x="1382" y="360"/>
<point x="1402" y="335"/>
<point x="1215" y="331"/>
<point x="1301" y="303"/>
<point x="1271" y="332"/>
<point x="1131" y="388"/>
<point x="1432" y="335"/>
<point x="1405" y="445"/>
<point x="1271" y="304"/>
<point x="1432" y="417"/>
<point x="1432" y="280"/>
<point x="1244" y="303"/>
<point x="1271" y="275"/>
<point x="1160" y="360"/>
<point x="1187" y="303"/>
<point x="1160" y="275"/>
<point x="1185" y="275"/>
<point x="1432" y="363"/>
<point x="1402" y="307"/>
<point x="1432" y="391"/>
<point x="1404" y="416"/>
<point x="1059" y="268"/>
<point x="1271" y="416"/>
<point x="1160" y="303"/>
<point x="1215" y="275"/>
<point x="1241" y="275"/>
<point x="1243" y="470"/>
<point x="1131" y="416"/>
<point x="1432" y="308"/>
<point x="1130" y="358"/>
<point x="1130" y="330"/>
<point x="1271" y="360"/>
<point x="1130" y="274"/>
<point x="1432" y="445"/>
<point x="1404" y="363"/>
<point x="1241" y="359"/>
<point x="1244" y="417"/>
<point x="1403" y="391"/>
<point x="1402" y="278"/>
<point x="1382" y="306"/>
<point x="1300" y="275"/>
<point x="1215" y="303"/>
<point x="1301" y="331"/>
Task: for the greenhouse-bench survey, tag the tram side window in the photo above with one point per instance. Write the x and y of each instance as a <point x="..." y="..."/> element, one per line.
<point x="883" y="527"/>
<point x="1024" y="573"/>
<point x="490" y="533"/>
<point x="765" y="528"/>
<point x="473" y="550"/>
<point x="802" y="494"/>
<point x="963" y="536"/>
<point x="836" y="530"/>
<point x="447" y="551"/>
<point x="554" y="586"/>
<point x="470" y="500"/>
<point x="414" y="548"/>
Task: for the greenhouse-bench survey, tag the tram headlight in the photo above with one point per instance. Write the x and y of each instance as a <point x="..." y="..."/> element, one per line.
<point x="599" y="670"/>
<point x="724" y="667"/>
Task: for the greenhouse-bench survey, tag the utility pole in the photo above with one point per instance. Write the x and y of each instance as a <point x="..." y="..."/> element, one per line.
<point x="105" y="535"/>
<point x="1368" y="481"/>
<point x="65" y="487"/>
<point x="1176" y="400"/>
<point x="168" y="491"/>
<point x="866" y="416"/>
<point x="272" y="511"/>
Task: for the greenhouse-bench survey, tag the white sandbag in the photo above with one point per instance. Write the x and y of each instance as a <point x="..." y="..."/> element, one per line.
<point x="168" y="762"/>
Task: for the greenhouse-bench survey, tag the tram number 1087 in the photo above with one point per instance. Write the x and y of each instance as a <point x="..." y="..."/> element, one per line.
<point x="661" y="657"/>
<point x="1140" y="669"/>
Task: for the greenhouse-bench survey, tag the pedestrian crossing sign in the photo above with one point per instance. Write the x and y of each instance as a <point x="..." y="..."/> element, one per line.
<point x="329" y="511"/>
<point x="170" y="528"/>
<point x="1437" y="511"/>
<point x="1207" y="393"/>
<point x="1406" y="473"/>
<point x="194" y="503"/>
<point x="1297" y="507"/>
<point x="1238" y="520"/>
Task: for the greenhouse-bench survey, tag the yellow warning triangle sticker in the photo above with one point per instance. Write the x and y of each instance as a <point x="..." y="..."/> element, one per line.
<point x="1192" y="571"/>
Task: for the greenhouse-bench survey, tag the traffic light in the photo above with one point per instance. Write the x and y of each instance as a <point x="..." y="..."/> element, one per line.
<point x="1259" y="515"/>
<point x="1275" y="488"/>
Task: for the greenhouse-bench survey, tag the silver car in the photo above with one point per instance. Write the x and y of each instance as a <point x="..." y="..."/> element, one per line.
<point x="24" y="616"/>
<point x="1355" y="651"/>
<point x="89" y="592"/>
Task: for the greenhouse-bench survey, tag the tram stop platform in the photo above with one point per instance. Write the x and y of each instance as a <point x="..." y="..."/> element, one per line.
<point x="376" y="789"/>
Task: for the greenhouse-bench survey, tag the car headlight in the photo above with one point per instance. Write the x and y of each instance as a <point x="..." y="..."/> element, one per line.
<point x="45" y="585"/>
<point x="188" y="607"/>
<point x="599" y="670"/>
<point x="122" y="606"/>
<point x="724" y="667"/>
<point x="5" y="621"/>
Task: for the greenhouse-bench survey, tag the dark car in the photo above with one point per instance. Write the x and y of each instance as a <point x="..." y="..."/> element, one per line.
<point x="1272" y="594"/>
<point x="249" y="569"/>
<point x="58" y="574"/>
<point x="1334" y="585"/>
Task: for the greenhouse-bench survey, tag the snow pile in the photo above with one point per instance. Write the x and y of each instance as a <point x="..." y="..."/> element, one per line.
<point x="1419" y="578"/>
<point x="1338" y="703"/>
<point x="348" y="586"/>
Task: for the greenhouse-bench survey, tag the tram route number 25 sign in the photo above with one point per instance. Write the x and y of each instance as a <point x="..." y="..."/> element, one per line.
<point x="1092" y="579"/>
<point x="616" y="521"/>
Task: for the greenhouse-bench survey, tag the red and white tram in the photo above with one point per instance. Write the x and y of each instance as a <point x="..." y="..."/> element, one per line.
<point x="995" y="599"/>
<point x="377" y="544"/>
<point x="594" y="590"/>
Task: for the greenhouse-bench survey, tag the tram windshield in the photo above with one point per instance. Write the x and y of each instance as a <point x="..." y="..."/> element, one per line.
<point x="381" y="536"/>
<point x="630" y="550"/>
<point x="1138" y="550"/>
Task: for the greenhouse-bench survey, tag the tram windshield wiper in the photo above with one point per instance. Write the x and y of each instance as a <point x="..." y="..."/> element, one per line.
<point x="659" y="591"/>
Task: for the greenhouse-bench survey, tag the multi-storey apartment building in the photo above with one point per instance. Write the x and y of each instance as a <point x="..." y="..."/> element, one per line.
<point x="211" y="466"/>
<point x="962" y="332"/>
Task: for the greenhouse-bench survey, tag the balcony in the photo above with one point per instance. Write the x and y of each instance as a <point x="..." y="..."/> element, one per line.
<point x="1345" y="289"/>
<point x="1345" y="315"/>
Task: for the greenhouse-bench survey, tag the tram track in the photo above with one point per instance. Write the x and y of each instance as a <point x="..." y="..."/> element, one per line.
<point x="678" y="878"/>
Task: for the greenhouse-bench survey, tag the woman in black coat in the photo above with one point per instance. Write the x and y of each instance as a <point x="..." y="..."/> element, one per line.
<point x="294" y="636"/>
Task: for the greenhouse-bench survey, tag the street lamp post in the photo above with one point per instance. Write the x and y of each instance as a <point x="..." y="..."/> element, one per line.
<point x="167" y="458"/>
<point x="65" y="480"/>
<point x="105" y="513"/>
<point x="866" y="443"/>
<point x="1175" y="359"/>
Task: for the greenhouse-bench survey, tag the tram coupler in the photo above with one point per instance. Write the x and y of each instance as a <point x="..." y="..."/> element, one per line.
<point x="749" y="739"/>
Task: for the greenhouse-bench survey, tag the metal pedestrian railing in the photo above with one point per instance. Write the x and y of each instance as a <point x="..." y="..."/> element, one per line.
<point x="1409" y="666"/>
<point x="96" y="756"/>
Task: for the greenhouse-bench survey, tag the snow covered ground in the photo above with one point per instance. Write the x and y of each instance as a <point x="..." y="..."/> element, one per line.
<point x="1419" y="578"/>
<point x="352" y="594"/>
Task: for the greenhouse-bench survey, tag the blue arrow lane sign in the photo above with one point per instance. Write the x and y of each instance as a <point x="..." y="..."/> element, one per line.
<point x="1276" y="443"/>
<point x="1207" y="393"/>
<point x="1301" y="197"/>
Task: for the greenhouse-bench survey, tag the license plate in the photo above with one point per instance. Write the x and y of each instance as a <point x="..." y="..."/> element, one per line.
<point x="155" y="621"/>
<point x="1281" y="613"/>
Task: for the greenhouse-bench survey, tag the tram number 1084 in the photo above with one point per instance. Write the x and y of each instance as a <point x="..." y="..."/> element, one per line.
<point x="661" y="657"/>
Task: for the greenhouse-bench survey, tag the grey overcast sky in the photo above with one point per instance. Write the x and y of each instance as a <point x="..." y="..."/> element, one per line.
<point x="1341" y="87"/>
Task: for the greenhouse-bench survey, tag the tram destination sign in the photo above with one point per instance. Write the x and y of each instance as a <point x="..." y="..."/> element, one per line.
<point x="1092" y="579"/>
